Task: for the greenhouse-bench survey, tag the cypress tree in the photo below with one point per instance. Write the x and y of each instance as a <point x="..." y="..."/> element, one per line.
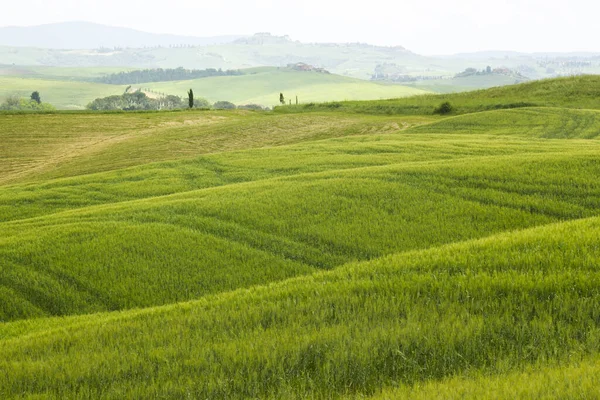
<point x="191" y="98"/>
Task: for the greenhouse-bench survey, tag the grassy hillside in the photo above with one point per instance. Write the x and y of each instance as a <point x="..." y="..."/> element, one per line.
<point x="296" y="224"/>
<point x="547" y="122"/>
<point x="67" y="95"/>
<point x="576" y="381"/>
<point x="501" y="303"/>
<point x="263" y="85"/>
<point x="38" y="147"/>
<point x="571" y="92"/>
<point x="66" y="88"/>
<point x="463" y="84"/>
<point x="215" y="254"/>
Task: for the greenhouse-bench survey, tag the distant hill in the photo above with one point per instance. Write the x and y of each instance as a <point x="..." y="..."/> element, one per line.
<point x="86" y="35"/>
<point x="263" y="85"/>
<point x="67" y="88"/>
<point x="81" y="44"/>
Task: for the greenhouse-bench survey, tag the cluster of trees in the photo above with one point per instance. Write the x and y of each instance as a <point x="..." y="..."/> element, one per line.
<point x="473" y="71"/>
<point x="34" y="103"/>
<point x="138" y="101"/>
<point x="163" y="75"/>
<point x="495" y="71"/>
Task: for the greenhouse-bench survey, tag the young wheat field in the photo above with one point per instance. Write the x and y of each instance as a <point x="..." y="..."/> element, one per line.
<point x="339" y="250"/>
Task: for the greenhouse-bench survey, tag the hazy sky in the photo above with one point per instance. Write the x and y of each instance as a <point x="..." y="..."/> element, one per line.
<point x="423" y="26"/>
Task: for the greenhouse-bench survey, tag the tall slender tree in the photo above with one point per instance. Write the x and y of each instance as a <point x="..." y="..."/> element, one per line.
<point x="191" y="98"/>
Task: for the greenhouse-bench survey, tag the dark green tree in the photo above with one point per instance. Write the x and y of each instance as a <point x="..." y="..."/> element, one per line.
<point x="35" y="96"/>
<point x="191" y="98"/>
<point x="281" y="98"/>
<point x="444" y="108"/>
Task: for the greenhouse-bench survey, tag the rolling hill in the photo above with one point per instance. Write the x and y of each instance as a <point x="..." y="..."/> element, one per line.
<point x="73" y="89"/>
<point x="64" y="95"/>
<point x="263" y="85"/>
<point x="510" y="300"/>
<point x="313" y="252"/>
<point x="570" y="92"/>
<point x="80" y="44"/>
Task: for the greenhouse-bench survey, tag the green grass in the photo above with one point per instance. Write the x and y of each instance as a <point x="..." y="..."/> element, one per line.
<point x="462" y="84"/>
<point x="487" y="306"/>
<point x="68" y="95"/>
<point x="571" y="92"/>
<point x="68" y="88"/>
<point x="572" y="381"/>
<point x="296" y="225"/>
<point x="548" y="122"/>
<point x="320" y="214"/>
<point x="263" y="85"/>
<point x="39" y="147"/>
<point x="303" y="255"/>
<point x="165" y="178"/>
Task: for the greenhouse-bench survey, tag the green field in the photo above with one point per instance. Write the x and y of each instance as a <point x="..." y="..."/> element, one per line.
<point x="71" y="89"/>
<point x="462" y="84"/>
<point x="64" y="95"/>
<point x="581" y="92"/>
<point x="320" y="252"/>
<point x="263" y="85"/>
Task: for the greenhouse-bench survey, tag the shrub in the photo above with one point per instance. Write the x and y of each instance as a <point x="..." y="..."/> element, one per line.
<point x="444" y="108"/>
<point x="256" y="107"/>
<point x="224" y="105"/>
<point x="201" y="102"/>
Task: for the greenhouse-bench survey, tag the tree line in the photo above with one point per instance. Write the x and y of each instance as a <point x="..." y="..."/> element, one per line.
<point x="139" y="101"/>
<point x="163" y="75"/>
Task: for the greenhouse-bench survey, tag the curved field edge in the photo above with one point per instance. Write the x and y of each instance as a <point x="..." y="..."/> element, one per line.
<point x="487" y="306"/>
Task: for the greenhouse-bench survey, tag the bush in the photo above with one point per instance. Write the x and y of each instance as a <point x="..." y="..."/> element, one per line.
<point x="444" y="108"/>
<point x="201" y="102"/>
<point x="15" y="103"/>
<point x="224" y="105"/>
<point x="255" y="107"/>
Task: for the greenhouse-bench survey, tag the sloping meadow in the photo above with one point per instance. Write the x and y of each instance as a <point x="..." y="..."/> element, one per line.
<point x="492" y="306"/>
<point x="179" y="247"/>
<point x="315" y="255"/>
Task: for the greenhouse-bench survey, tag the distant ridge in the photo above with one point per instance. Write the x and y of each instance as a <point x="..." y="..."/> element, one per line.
<point x="87" y="35"/>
